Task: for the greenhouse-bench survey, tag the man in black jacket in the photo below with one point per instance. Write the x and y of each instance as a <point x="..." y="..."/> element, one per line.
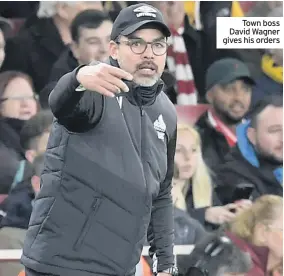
<point x="228" y="85"/>
<point x="109" y="161"/>
<point x="90" y="32"/>
<point x="258" y="155"/>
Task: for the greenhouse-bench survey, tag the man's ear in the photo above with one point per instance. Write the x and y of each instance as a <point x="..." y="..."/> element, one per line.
<point x="209" y="96"/>
<point x="251" y="134"/>
<point x="113" y="50"/>
<point x="74" y="49"/>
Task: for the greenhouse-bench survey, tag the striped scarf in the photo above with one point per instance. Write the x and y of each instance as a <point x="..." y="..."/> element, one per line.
<point x="179" y="64"/>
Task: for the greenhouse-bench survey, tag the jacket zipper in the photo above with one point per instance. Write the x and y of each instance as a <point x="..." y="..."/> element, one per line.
<point x="87" y="223"/>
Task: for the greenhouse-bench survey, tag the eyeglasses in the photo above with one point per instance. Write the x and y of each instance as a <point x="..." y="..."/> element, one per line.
<point x="139" y="46"/>
<point x="19" y="98"/>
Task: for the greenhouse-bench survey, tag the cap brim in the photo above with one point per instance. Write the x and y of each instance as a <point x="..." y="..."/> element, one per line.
<point x="163" y="27"/>
<point x="231" y="78"/>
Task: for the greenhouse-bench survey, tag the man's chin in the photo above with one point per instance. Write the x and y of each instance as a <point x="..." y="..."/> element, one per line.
<point x="146" y="81"/>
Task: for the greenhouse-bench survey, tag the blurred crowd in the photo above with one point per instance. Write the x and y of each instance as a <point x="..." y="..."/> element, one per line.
<point x="228" y="179"/>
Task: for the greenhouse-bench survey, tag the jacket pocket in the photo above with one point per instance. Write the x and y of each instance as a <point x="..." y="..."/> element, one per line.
<point x="87" y="224"/>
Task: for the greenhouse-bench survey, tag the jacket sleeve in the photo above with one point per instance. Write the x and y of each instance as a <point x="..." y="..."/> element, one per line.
<point x="161" y="227"/>
<point x="78" y="111"/>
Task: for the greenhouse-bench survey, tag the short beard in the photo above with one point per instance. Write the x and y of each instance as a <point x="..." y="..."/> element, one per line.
<point x="269" y="157"/>
<point x="226" y="118"/>
<point x="147" y="82"/>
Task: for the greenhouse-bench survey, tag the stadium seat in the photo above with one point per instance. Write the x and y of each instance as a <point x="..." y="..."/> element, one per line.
<point x="2" y="197"/>
<point x="190" y="113"/>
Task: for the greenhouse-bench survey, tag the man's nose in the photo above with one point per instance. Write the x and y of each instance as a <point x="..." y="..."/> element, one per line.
<point x="148" y="53"/>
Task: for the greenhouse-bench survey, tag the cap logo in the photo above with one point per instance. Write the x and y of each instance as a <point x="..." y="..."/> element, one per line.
<point x="145" y="11"/>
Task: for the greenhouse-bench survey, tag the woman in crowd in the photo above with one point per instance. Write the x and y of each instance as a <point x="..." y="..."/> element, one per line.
<point x="259" y="231"/>
<point x="193" y="189"/>
<point x="17" y="96"/>
<point x="17" y="104"/>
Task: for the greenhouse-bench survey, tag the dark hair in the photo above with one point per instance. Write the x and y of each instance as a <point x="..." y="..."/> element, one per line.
<point x="34" y="128"/>
<point x="216" y="253"/>
<point x="38" y="164"/>
<point x="7" y="76"/>
<point x="87" y="19"/>
<point x="273" y="100"/>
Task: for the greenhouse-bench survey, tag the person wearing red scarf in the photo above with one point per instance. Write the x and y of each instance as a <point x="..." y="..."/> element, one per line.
<point x="229" y="85"/>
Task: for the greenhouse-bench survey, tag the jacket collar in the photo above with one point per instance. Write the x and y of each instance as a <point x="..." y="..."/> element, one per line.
<point x="139" y="95"/>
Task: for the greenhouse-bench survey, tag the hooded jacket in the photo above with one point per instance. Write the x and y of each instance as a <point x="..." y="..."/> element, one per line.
<point x="107" y="178"/>
<point x="242" y="165"/>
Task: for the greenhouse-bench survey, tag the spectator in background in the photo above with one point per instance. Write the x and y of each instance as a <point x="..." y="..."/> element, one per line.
<point x="258" y="155"/>
<point x="5" y="30"/>
<point x="17" y="104"/>
<point x="216" y="255"/>
<point x="193" y="189"/>
<point x="259" y="231"/>
<point x="34" y="50"/>
<point x="18" y="211"/>
<point x="90" y="31"/>
<point x="229" y="85"/>
<point x="17" y="96"/>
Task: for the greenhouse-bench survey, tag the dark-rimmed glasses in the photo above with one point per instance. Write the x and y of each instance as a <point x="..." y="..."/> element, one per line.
<point x="139" y="46"/>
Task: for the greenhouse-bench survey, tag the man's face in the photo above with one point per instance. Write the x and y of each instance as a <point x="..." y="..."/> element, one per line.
<point x="146" y="67"/>
<point x="93" y="44"/>
<point x="2" y="48"/>
<point x="232" y="101"/>
<point x="267" y="136"/>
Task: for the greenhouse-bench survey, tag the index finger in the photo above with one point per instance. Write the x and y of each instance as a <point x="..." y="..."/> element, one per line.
<point x="119" y="73"/>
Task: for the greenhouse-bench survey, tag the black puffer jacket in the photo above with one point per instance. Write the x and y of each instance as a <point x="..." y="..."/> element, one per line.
<point x="107" y="177"/>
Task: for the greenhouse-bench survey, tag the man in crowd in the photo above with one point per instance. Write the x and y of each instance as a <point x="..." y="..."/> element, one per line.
<point x="90" y="31"/>
<point x="228" y="83"/>
<point x="109" y="161"/>
<point x="35" y="49"/>
<point x="258" y="155"/>
<point x="14" y="224"/>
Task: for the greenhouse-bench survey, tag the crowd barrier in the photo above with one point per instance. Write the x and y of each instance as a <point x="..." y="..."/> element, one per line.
<point x="14" y="255"/>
